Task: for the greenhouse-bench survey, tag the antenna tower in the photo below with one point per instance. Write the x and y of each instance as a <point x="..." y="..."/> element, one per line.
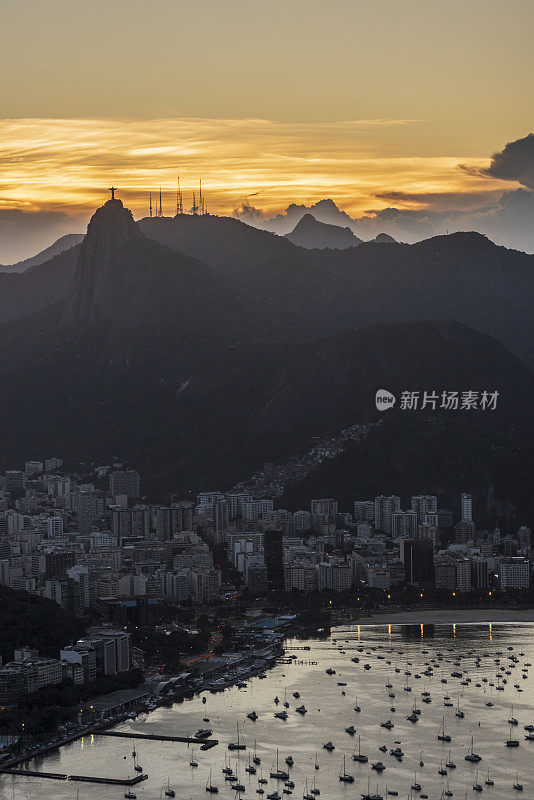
<point x="179" y="201"/>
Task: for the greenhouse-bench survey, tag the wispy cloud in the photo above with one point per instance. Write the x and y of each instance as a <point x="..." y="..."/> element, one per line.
<point x="68" y="163"/>
<point x="64" y="166"/>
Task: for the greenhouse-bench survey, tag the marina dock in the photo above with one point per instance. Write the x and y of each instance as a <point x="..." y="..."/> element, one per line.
<point x="114" y="781"/>
<point x="56" y="776"/>
<point x="60" y="776"/>
<point x="204" y="744"/>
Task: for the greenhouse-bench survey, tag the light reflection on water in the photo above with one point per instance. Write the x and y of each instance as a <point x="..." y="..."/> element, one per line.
<point x="329" y="713"/>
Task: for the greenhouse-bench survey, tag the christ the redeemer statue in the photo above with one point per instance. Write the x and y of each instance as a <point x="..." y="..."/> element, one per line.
<point x="112" y="189"/>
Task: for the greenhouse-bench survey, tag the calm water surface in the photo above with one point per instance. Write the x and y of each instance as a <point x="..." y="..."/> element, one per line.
<point x="329" y="713"/>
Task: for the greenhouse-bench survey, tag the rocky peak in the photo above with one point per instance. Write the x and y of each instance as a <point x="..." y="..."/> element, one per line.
<point x="111" y="232"/>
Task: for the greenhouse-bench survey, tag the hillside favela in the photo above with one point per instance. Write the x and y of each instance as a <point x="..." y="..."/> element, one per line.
<point x="266" y="416"/>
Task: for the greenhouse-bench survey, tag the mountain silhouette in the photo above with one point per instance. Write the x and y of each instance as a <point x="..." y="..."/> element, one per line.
<point x="311" y="234"/>
<point x="197" y="373"/>
<point x="384" y="238"/>
<point x="334" y="379"/>
<point x="224" y="243"/>
<point x="59" y="246"/>
<point x="298" y="294"/>
<point x="37" y="287"/>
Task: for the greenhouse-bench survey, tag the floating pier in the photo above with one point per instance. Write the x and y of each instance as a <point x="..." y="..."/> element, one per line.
<point x="60" y="776"/>
<point x="205" y="744"/>
<point x="113" y="781"/>
<point x="56" y="776"/>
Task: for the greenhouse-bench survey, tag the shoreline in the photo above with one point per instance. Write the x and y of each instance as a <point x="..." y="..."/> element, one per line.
<point x="141" y="706"/>
<point x="444" y="616"/>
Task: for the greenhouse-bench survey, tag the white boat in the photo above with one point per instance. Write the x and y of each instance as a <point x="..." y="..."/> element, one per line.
<point x="472" y="756"/>
<point x="210" y="787"/>
<point x="255" y="758"/>
<point x="442" y="736"/>
<point x="415" y="785"/>
<point x="238" y="744"/>
<point x="343" y="776"/>
<point x="512" y="742"/>
<point x="276" y="772"/>
<point x="477" y="787"/>
<point x="238" y="787"/>
<point x="369" y="796"/>
<point x="307" y="795"/>
<point x="137" y="765"/>
<point x="358" y="756"/>
<point x="517" y="785"/>
<point x="250" y="768"/>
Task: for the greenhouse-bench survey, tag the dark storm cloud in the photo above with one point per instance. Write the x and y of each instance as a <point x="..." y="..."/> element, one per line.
<point x="515" y="162"/>
<point x="441" y="200"/>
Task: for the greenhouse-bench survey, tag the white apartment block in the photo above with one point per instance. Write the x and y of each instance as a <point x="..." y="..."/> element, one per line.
<point x="514" y="573"/>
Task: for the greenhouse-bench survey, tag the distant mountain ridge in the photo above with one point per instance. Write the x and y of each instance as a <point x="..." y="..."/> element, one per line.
<point x="199" y="371"/>
<point x="384" y="238"/>
<point x="38" y="287"/>
<point x="225" y="243"/>
<point x="312" y="293"/>
<point x="59" y="246"/>
<point x="311" y="234"/>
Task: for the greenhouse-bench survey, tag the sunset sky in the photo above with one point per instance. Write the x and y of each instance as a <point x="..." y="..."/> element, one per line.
<point x="371" y="104"/>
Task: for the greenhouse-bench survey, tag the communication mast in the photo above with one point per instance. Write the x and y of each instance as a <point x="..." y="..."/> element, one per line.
<point x="179" y="201"/>
<point x="150" y="204"/>
<point x="160" y="212"/>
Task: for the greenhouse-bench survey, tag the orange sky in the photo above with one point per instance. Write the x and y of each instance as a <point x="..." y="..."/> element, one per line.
<point x="69" y="163"/>
<point x="275" y="100"/>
